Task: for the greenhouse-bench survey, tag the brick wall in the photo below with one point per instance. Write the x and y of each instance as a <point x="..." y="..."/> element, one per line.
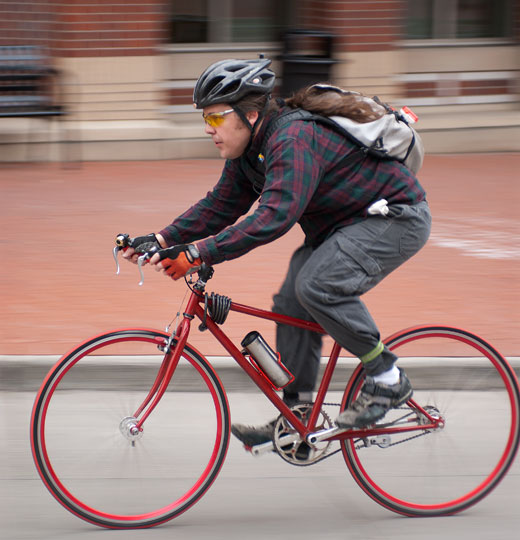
<point x="109" y="28"/>
<point x="136" y="27"/>
<point x="471" y="79"/>
<point x="373" y="25"/>
<point x="516" y="18"/>
<point x="490" y="86"/>
<point x="26" y="22"/>
<point x="82" y="28"/>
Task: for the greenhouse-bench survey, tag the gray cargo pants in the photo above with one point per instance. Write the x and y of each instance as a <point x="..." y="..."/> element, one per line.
<point x="325" y="285"/>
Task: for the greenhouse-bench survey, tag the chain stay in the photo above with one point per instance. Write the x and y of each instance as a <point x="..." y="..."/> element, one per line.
<point x="360" y="446"/>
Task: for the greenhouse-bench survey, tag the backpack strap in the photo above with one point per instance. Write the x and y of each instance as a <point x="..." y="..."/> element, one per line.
<point x="283" y="119"/>
<point x="256" y="171"/>
<point x="302" y="114"/>
<point x="255" y="174"/>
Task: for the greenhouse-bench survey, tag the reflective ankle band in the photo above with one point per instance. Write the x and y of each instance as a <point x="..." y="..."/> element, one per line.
<point x="374" y="353"/>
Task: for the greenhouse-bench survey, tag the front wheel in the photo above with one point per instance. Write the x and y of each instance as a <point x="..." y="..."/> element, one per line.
<point x="463" y="381"/>
<point x="85" y="446"/>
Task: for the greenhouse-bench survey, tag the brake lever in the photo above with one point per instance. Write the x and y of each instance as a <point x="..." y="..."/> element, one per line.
<point x="140" y="261"/>
<point x="116" y="251"/>
<point x="123" y="241"/>
<point x="143" y="259"/>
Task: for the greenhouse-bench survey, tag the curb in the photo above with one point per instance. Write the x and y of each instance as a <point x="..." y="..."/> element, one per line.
<point x="23" y="373"/>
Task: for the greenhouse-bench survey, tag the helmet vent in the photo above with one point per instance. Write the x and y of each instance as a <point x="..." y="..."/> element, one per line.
<point x="235" y="68"/>
<point x="212" y="84"/>
<point x="232" y="87"/>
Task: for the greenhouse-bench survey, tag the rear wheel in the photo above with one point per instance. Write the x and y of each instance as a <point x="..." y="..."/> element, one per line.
<point x="460" y="378"/>
<point x="84" y="441"/>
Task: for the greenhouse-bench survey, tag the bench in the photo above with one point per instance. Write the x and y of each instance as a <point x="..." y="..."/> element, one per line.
<point x="29" y="85"/>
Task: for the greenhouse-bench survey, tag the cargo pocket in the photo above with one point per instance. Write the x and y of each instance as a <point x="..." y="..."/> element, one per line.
<point x="352" y="272"/>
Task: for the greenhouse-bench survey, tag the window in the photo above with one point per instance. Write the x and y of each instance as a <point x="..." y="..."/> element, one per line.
<point x="217" y="21"/>
<point x="459" y="19"/>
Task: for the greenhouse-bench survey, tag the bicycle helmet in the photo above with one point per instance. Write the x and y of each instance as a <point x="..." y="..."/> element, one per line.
<point x="228" y="81"/>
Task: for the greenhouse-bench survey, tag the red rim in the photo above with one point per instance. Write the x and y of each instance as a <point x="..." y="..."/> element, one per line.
<point x="493" y="478"/>
<point x="93" y="515"/>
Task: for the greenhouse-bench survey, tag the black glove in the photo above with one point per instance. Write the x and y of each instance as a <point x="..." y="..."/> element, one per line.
<point x="145" y="244"/>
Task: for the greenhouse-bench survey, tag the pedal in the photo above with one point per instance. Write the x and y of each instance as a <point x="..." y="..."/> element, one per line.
<point x="260" y="449"/>
<point x="265" y="448"/>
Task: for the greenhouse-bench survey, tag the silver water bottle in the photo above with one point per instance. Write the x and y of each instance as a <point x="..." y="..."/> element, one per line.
<point x="268" y="361"/>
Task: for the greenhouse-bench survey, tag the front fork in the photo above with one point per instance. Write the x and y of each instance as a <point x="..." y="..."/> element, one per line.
<point x="173" y="348"/>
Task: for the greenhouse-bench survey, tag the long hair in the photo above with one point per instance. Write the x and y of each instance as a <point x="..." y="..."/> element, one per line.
<point x="333" y="101"/>
<point x="256" y="102"/>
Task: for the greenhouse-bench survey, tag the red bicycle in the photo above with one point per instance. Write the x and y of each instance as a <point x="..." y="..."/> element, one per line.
<point x="134" y="443"/>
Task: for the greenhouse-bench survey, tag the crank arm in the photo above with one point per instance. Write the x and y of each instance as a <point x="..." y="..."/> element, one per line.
<point x="318" y="436"/>
<point x="265" y="448"/>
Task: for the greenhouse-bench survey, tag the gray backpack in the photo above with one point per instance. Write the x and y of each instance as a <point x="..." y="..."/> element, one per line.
<point x="389" y="137"/>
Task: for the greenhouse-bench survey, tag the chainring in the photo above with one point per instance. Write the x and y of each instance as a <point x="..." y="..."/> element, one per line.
<point x="300" y="452"/>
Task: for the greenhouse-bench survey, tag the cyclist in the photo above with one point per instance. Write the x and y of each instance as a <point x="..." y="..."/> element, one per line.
<point x="302" y="177"/>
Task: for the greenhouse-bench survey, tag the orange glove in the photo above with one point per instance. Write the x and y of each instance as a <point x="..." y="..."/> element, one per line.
<point x="177" y="261"/>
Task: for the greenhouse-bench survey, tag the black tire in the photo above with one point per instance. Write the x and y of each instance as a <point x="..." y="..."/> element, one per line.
<point x="465" y="380"/>
<point x="81" y="443"/>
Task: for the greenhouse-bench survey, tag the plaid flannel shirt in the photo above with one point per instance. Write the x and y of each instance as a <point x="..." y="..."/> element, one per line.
<point x="307" y="181"/>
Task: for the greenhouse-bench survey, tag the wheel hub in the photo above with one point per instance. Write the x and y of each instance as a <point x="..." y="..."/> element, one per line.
<point x="129" y="430"/>
<point x="434" y="413"/>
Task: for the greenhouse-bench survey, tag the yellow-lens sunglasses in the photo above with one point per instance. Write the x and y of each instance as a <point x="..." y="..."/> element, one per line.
<point x="216" y="119"/>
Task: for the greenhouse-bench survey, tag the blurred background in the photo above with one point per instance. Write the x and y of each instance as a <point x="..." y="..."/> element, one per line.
<point x="107" y="86"/>
<point x="123" y="70"/>
<point x="98" y="136"/>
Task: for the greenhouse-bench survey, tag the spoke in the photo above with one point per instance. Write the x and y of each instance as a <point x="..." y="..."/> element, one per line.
<point x="461" y="385"/>
<point x="91" y="452"/>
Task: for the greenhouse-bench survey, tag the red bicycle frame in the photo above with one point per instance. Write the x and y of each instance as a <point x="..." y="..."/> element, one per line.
<point x="174" y="348"/>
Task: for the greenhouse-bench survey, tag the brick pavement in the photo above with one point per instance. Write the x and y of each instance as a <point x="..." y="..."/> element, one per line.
<point x="58" y="285"/>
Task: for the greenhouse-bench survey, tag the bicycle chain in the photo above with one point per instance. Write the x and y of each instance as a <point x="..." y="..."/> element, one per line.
<point x="359" y="447"/>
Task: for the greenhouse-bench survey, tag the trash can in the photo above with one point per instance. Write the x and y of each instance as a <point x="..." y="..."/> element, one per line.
<point x="306" y="59"/>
